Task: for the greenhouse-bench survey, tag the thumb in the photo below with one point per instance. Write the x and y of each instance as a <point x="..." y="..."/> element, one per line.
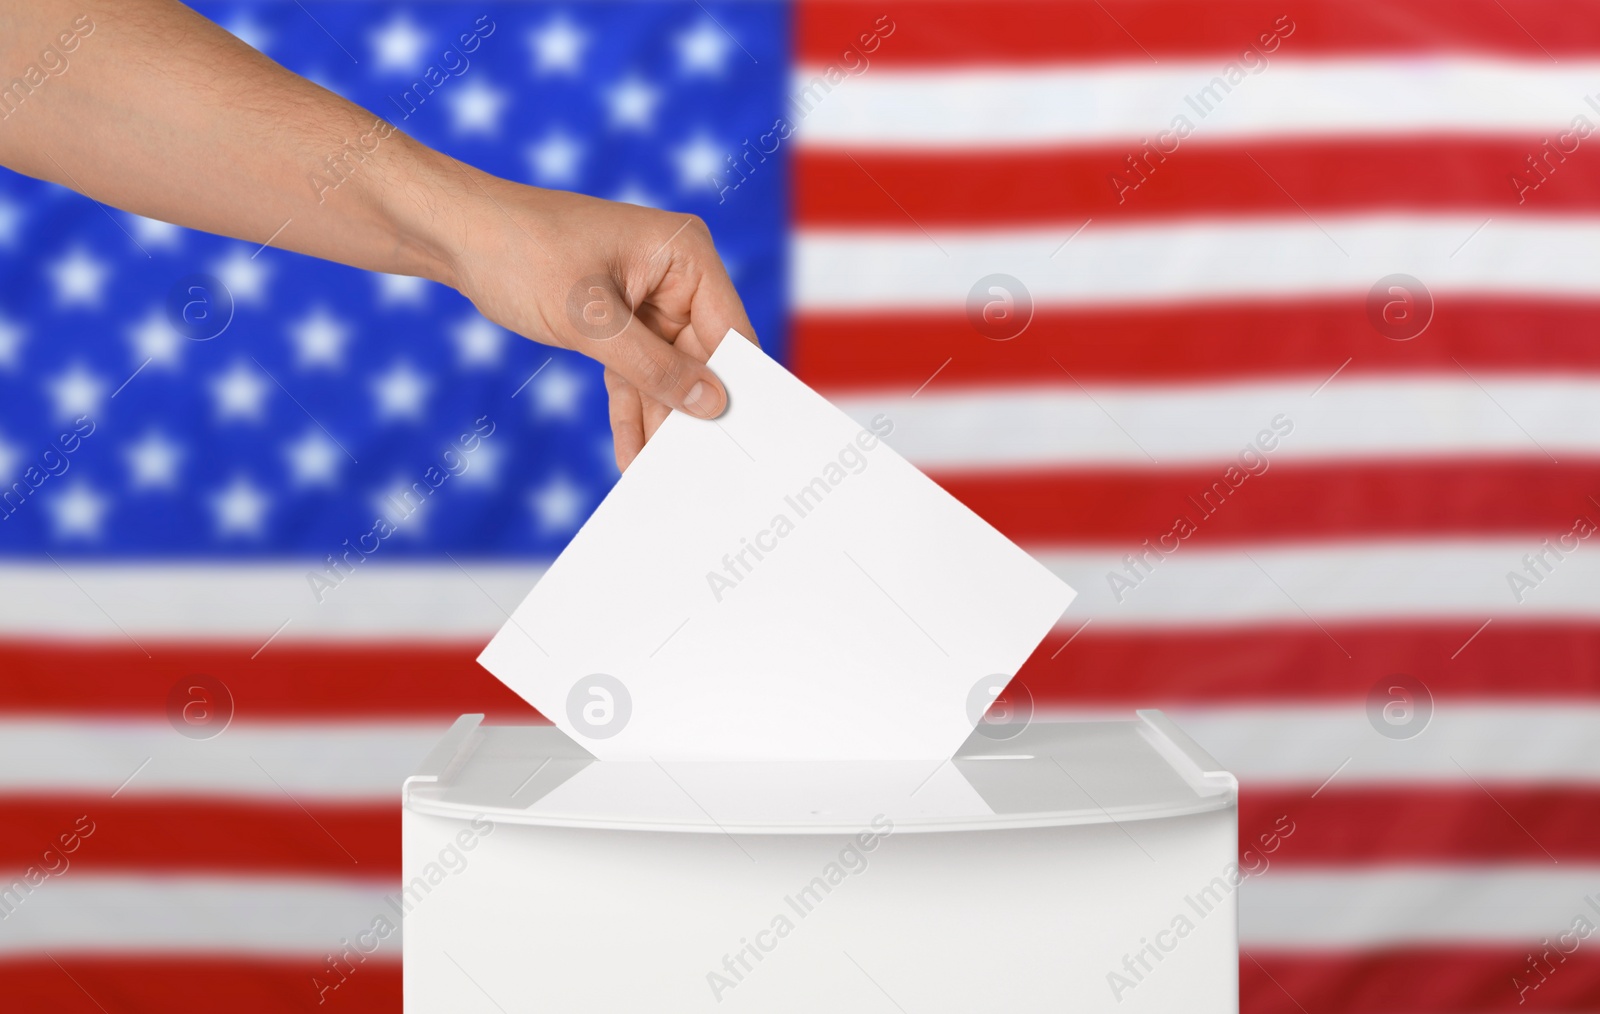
<point x="668" y="374"/>
<point x="617" y="336"/>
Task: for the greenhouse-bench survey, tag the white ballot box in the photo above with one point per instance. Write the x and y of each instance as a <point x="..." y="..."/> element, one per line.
<point x="1083" y="866"/>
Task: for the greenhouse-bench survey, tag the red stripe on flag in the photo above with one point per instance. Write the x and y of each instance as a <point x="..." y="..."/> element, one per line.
<point x="840" y="353"/>
<point x="1255" y="665"/>
<point x="1138" y="511"/>
<point x="370" y="682"/>
<point x="161" y="984"/>
<point x="1029" y="187"/>
<point x="1446" y="980"/>
<point x="1418" y="980"/>
<point x="204" y="835"/>
<point x="1099" y="667"/>
<point x="1011" y="32"/>
<point x="1415" y="824"/>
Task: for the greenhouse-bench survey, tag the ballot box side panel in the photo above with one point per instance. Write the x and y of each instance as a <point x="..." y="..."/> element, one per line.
<point x="1131" y="916"/>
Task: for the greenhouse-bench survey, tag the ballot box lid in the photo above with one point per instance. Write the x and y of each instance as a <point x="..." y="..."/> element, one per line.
<point x="1045" y="774"/>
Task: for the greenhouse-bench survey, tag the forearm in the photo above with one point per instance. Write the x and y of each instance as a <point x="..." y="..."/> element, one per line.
<point x="145" y="105"/>
<point x="210" y="134"/>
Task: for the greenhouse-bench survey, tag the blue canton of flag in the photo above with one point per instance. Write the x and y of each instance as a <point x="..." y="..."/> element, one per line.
<point x="330" y="392"/>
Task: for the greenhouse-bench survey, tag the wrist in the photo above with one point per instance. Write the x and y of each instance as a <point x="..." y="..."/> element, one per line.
<point x="427" y="200"/>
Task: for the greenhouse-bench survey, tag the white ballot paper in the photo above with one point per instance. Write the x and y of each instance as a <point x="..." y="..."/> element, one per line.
<point x="776" y="584"/>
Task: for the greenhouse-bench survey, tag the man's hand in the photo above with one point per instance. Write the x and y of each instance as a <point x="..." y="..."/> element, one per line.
<point x="149" y="121"/>
<point x="642" y="291"/>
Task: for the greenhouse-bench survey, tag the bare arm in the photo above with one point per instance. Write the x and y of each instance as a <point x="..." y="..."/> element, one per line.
<point x="146" y="106"/>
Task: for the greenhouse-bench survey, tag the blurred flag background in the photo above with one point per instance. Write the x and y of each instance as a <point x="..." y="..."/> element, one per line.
<point x="1270" y="326"/>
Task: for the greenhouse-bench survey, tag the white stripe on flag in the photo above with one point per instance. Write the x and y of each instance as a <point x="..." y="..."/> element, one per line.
<point x="1330" y="582"/>
<point x="1302" y="910"/>
<point x="1346" y="580"/>
<point x="267" y="762"/>
<point x="277" y="916"/>
<point x="957" y="108"/>
<point x="1058" y="424"/>
<point x="1277" y="744"/>
<point x="1495" y="742"/>
<point x="1281" y="909"/>
<point x="1196" y="261"/>
<point x="252" y="603"/>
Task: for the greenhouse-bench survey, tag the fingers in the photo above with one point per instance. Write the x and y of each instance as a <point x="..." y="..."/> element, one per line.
<point x="655" y="345"/>
<point x="694" y="302"/>
<point x="655" y="414"/>
<point x="660" y="370"/>
<point x="716" y="307"/>
<point x="627" y="419"/>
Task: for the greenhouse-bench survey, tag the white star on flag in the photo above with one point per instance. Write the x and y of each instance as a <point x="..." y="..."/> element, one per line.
<point x="403" y="506"/>
<point x="319" y="75"/>
<point x="80" y="278"/>
<point x="398" y="44"/>
<point x="77" y="511"/>
<point x="483" y="466"/>
<point x="240" y="509"/>
<point x="9" y="456"/>
<point x="557" y="392"/>
<point x="699" y="161"/>
<point x="478" y="342"/>
<point x="402" y="290"/>
<point x="558" y="505"/>
<point x="319" y="339"/>
<point x="313" y="459"/>
<point x="250" y="32"/>
<point x="558" y="47"/>
<point x="154" y="340"/>
<point x="76" y="392"/>
<point x="633" y="193"/>
<point x="153" y="462"/>
<point x="554" y="160"/>
<point x="703" y="49"/>
<point x="476" y="108"/>
<point x="155" y="234"/>
<point x="632" y="102"/>
<point x="400" y="392"/>
<point x="11" y="338"/>
<point x="240" y="393"/>
<point x="10" y="220"/>
<point x="244" y="276"/>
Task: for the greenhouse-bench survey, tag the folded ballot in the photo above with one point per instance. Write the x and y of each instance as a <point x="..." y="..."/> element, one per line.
<point x="775" y="584"/>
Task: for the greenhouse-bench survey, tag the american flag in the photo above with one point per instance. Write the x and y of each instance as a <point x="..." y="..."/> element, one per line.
<point x="1268" y="326"/>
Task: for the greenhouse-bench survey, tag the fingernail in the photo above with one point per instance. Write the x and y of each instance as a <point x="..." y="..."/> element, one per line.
<point x="702" y="400"/>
